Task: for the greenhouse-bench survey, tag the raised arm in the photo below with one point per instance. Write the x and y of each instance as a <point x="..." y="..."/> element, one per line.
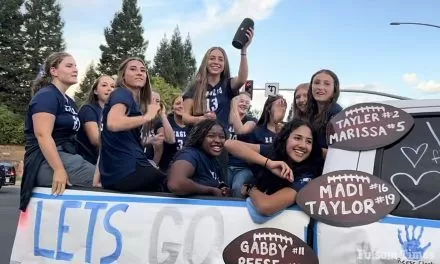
<point x="179" y="181"/>
<point x="237" y="82"/>
<point x="166" y="129"/>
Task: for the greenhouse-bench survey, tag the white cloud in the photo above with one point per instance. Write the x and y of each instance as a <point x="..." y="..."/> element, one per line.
<point x="430" y="86"/>
<point x="214" y="15"/>
<point x="410" y="78"/>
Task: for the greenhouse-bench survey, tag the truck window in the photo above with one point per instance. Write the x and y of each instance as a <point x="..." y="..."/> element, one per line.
<point x="412" y="165"/>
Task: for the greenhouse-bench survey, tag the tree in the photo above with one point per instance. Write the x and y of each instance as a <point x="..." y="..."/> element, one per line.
<point x="190" y="60"/>
<point x="43" y="34"/>
<point x="174" y="60"/>
<point x="167" y="91"/>
<point x="85" y="85"/>
<point x="11" y="127"/>
<point x="11" y="56"/>
<point x="163" y="63"/>
<point x="124" y="38"/>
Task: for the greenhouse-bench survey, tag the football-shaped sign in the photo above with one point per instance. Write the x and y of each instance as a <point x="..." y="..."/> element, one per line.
<point x="348" y="198"/>
<point x="268" y="246"/>
<point x="368" y="126"/>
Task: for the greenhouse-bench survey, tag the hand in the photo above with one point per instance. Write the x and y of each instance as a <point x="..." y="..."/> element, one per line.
<point x="163" y="110"/>
<point x="210" y="115"/>
<point x="60" y="179"/>
<point x="157" y="139"/>
<point x="226" y="191"/>
<point x="152" y="111"/>
<point x="246" y="189"/>
<point x="250" y="36"/>
<point x="281" y="169"/>
<point x="279" y="126"/>
<point x="217" y="192"/>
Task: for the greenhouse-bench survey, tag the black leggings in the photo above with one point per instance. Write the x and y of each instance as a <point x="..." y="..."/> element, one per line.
<point x="145" y="179"/>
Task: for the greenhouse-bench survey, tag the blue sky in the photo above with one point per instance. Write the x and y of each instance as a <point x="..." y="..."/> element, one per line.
<point x="293" y="39"/>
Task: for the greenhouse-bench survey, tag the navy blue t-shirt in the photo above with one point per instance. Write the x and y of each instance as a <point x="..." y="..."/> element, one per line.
<point x="234" y="161"/>
<point x="180" y="132"/>
<point x="219" y="99"/>
<point x="303" y="172"/>
<point x="88" y="113"/>
<point x="50" y="100"/>
<point x="262" y="135"/>
<point x="207" y="169"/>
<point x="321" y="136"/>
<point x="120" y="151"/>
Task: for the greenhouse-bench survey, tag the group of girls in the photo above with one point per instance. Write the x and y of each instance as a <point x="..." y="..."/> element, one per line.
<point x="123" y="138"/>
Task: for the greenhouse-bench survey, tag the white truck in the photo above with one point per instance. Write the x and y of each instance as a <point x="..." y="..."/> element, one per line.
<point x="86" y="226"/>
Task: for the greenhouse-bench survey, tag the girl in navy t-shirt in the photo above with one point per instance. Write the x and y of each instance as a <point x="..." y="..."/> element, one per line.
<point x="322" y="104"/>
<point x="270" y="122"/>
<point x="299" y="105"/>
<point x="241" y="125"/>
<point x="90" y="116"/>
<point x="123" y="164"/>
<point x="156" y="133"/>
<point x="195" y="169"/>
<point x="273" y="191"/>
<point x="50" y="127"/>
<point x="210" y="93"/>
<point x="180" y="132"/>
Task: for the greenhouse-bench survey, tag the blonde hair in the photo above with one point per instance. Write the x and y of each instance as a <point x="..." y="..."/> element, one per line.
<point x="201" y="81"/>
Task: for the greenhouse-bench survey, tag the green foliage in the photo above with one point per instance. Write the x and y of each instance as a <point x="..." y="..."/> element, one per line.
<point x="167" y="91"/>
<point x="124" y="38"/>
<point x="85" y="85"/>
<point x="174" y="60"/>
<point x="12" y="91"/>
<point x="11" y="127"/>
<point x="43" y="35"/>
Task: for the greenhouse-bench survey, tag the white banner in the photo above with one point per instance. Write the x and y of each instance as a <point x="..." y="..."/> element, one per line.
<point x="100" y="227"/>
<point x="391" y="240"/>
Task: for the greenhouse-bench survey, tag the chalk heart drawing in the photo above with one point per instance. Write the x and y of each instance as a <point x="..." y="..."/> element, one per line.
<point x="416" y="182"/>
<point x="414" y="154"/>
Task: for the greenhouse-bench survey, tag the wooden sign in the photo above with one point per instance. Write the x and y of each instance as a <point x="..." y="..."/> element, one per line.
<point x="268" y="246"/>
<point x="368" y="126"/>
<point x="348" y="198"/>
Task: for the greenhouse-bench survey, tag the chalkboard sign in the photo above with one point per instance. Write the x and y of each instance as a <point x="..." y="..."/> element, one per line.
<point x="268" y="245"/>
<point x="368" y="126"/>
<point x="347" y="198"/>
<point x="412" y="165"/>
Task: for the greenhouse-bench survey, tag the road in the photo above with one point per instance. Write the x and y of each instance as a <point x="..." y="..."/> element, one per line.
<point x="9" y="199"/>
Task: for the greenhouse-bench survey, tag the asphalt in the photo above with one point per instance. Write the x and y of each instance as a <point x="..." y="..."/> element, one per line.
<point x="9" y="199"/>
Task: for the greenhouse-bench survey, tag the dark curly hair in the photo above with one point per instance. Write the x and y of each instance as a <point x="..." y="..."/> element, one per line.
<point x="199" y="132"/>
